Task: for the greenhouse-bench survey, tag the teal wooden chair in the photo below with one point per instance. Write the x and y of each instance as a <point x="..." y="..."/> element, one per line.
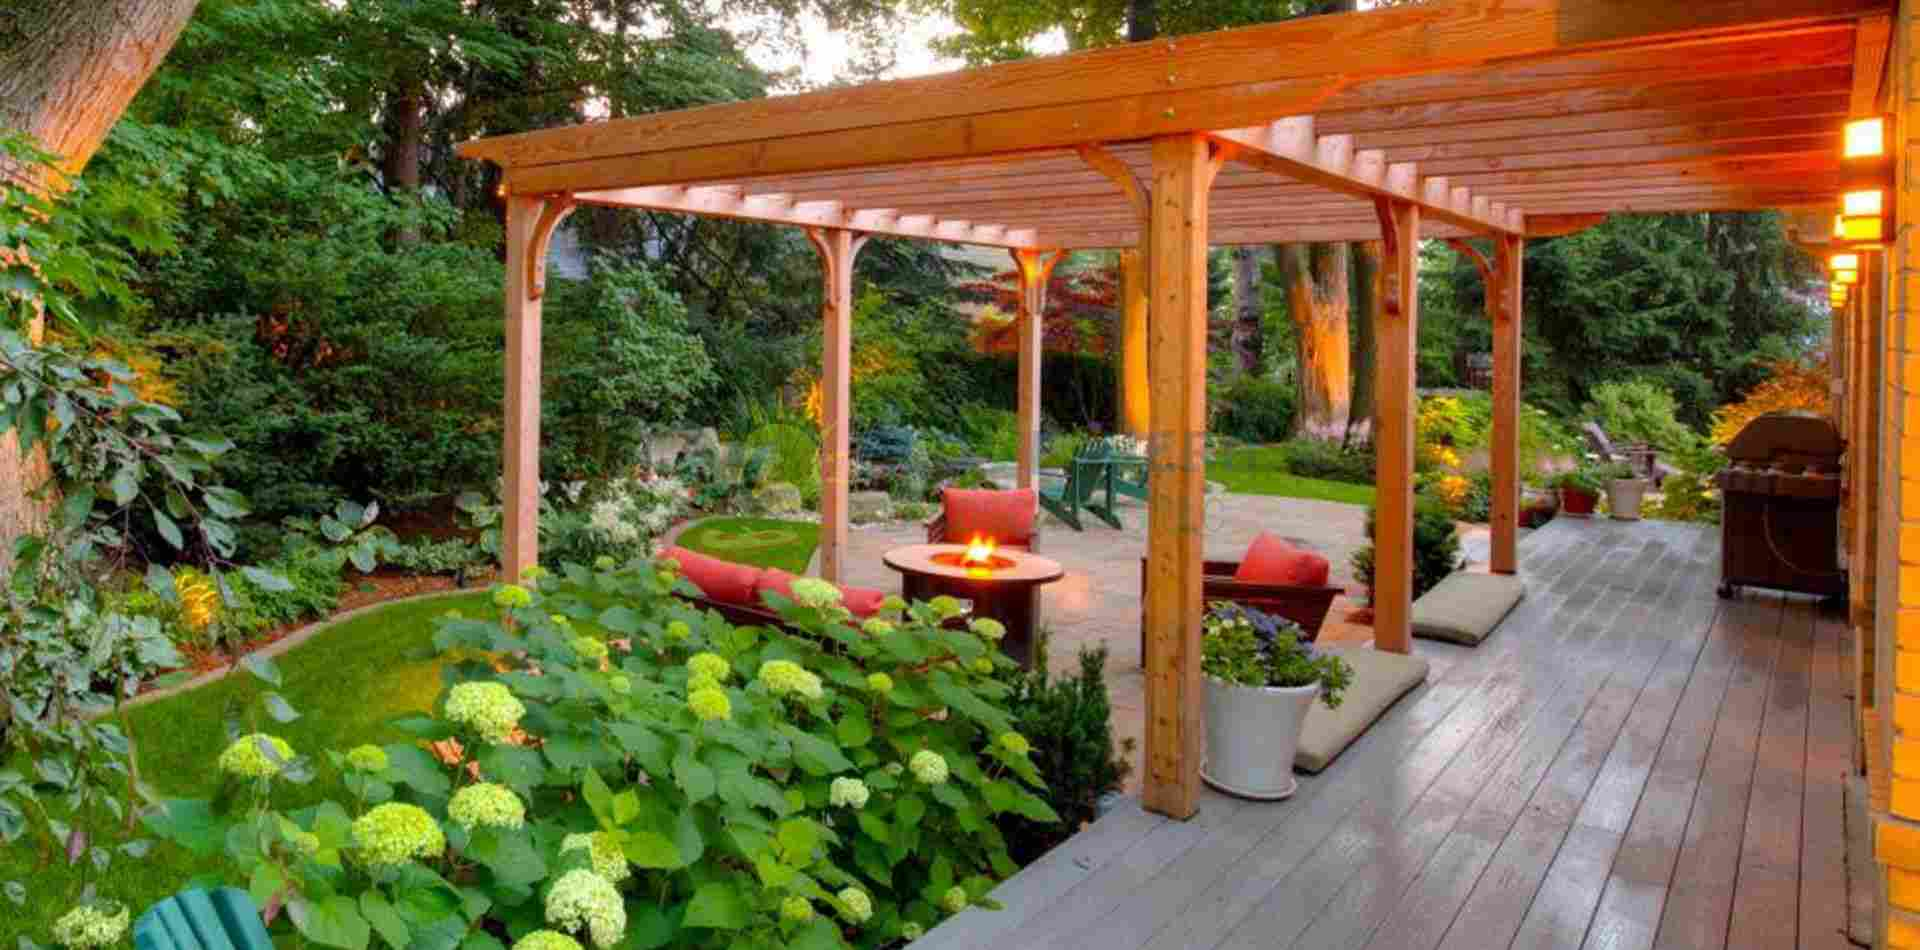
<point x="1087" y="474"/>
<point x="1129" y="474"/>
<point x="200" y="920"/>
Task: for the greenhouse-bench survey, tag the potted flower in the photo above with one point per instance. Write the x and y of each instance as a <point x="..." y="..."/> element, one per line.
<point x="1579" y="490"/>
<point x="1261" y="677"/>
<point x="1624" y="491"/>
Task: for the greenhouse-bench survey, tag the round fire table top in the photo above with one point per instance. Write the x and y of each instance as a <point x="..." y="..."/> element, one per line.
<point x="1010" y="565"/>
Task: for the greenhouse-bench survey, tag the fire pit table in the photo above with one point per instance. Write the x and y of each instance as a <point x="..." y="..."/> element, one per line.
<point x="1004" y="585"/>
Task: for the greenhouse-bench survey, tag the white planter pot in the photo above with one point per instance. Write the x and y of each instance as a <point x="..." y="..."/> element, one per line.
<point x="1623" y="496"/>
<point x="1252" y="735"/>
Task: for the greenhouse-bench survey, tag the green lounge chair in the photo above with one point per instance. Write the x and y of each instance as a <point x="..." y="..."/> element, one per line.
<point x="1088" y="472"/>
<point x="200" y="920"/>
<point x="1129" y="475"/>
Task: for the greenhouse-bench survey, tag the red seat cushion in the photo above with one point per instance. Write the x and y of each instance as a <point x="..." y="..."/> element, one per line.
<point x="1004" y="516"/>
<point x="1271" y="560"/>
<point x="776" y="580"/>
<point x="724" y="581"/>
<point x="862" y="602"/>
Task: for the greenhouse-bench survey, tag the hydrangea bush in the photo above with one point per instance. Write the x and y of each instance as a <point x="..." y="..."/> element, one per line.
<point x="689" y="784"/>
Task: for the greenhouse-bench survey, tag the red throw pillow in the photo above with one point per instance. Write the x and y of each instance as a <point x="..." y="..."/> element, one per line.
<point x="1004" y="516"/>
<point x="1271" y="560"/>
<point x="862" y="602"/>
<point x="724" y="581"/>
<point x="775" y="580"/>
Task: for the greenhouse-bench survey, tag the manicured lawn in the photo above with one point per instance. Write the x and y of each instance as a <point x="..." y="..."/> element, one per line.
<point x="346" y="683"/>
<point x="763" y="542"/>
<point x="1259" y="470"/>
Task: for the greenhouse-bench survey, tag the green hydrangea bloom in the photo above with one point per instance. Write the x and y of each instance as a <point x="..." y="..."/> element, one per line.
<point x="911" y="931"/>
<point x="814" y="592"/>
<point x="880" y="683"/>
<point x="893" y="604"/>
<point x="561" y="620"/>
<point x="510" y="596"/>
<point x="669" y="565"/>
<point x="848" y="793"/>
<point x="988" y="628"/>
<point x="608" y="860"/>
<point x="546" y="940"/>
<point x="620" y="684"/>
<point x="713" y="665"/>
<point x="982" y="665"/>
<point x="796" y="908"/>
<point x="859" y="906"/>
<point x="245" y="757"/>
<point x="534" y="572"/>
<point x="786" y="676"/>
<point x="700" y="681"/>
<point x="487" y="708"/>
<point x="954" y="900"/>
<point x="367" y="758"/>
<point x="710" y="703"/>
<point x="604" y="562"/>
<point x="590" y="649"/>
<point x="928" y="767"/>
<point x="945" y="607"/>
<point x="678" y="630"/>
<point x="1015" y="743"/>
<point x="92" y="925"/>
<point x="396" y="832"/>
<point x="583" y="900"/>
<point x="305" y="842"/>
<point x="875" y="627"/>
<point x="487" y="805"/>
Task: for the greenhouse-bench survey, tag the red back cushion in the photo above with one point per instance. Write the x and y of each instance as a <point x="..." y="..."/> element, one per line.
<point x="862" y="602"/>
<point x="776" y="580"/>
<point x="1271" y="560"/>
<point x="724" y="581"/>
<point x="1005" y="516"/>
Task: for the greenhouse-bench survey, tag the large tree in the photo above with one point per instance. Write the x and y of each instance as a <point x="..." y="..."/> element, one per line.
<point x="1318" y="301"/>
<point x="68" y="68"/>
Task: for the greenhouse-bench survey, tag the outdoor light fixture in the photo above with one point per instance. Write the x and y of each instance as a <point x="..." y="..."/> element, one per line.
<point x="1844" y="268"/>
<point x="1865" y="138"/>
<point x="1866" y="171"/>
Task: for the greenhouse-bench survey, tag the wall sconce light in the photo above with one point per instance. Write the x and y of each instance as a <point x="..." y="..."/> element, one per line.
<point x="1844" y="269"/>
<point x="1866" y="171"/>
<point x="1865" y="138"/>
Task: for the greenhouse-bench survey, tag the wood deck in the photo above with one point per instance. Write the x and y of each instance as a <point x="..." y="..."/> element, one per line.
<point x="1628" y="762"/>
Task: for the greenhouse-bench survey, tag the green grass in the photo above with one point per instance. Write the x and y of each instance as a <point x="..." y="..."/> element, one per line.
<point x="346" y="683"/>
<point x="1261" y="470"/>
<point x="762" y="542"/>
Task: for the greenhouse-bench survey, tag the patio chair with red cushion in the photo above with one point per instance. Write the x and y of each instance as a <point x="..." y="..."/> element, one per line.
<point x="1274" y="577"/>
<point x="734" y="590"/>
<point x="1008" y="517"/>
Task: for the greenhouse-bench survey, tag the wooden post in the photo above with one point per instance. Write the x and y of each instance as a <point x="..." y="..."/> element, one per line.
<point x="1130" y="369"/>
<point x="1183" y="170"/>
<point x="838" y="247"/>
<point x="1396" y="325"/>
<point x="530" y="224"/>
<point x="1503" y="311"/>
<point x="1033" y="268"/>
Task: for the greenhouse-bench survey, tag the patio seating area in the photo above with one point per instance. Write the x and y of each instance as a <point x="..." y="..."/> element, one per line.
<point x="1627" y="762"/>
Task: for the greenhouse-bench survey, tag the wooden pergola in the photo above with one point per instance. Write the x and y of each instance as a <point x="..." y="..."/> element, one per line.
<point x="1456" y="120"/>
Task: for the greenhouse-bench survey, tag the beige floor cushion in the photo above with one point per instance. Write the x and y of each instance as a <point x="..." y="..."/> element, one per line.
<point x="1379" y="680"/>
<point x="1465" y="607"/>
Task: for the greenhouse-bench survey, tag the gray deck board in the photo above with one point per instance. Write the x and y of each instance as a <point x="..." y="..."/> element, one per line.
<point x="1628" y="762"/>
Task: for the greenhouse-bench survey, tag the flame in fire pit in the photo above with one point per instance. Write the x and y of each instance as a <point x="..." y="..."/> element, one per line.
<point x="979" y="552"/>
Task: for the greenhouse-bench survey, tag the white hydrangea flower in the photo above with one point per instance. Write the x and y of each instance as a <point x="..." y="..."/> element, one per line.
<point x="608" y="860"/>
<point x="814" y="592"/>
<point x="487" y="805"/>
<point x="91" y="925"/>
<point x="848" y="793"/>
<point x="487" y="708"/>
<point x="928" y="767"/>
<point x="583" y="900"/>
<point x="859" y="906"/>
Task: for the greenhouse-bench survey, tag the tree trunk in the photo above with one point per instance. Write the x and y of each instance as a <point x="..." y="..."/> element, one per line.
<point x="1316" y="279"/>
<point x="1367" y="275"/>
<point x="68" y="68"/>
<point x="1248" y="336"/>
<point x="406" y="122"/>
<point x="1143" y="20"/>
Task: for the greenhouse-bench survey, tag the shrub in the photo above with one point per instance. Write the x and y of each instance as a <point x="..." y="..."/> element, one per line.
<point x="313" y="578"/>
<point x="1063" y="447"/>
<point x="1326" y="459"/>
<point x="995" y="433"/>
<point x="1436" y="549"/>
<point x="793" y="456"/>
<point x="1689" y="494"/>
<point x="1639" y="411"/>
<point x="1789" y="387"/>
<point x="1254" y="408"/>
<point x="752" y="786"/>
<point x="1068" y="721"/>
<point x="430" y="556"/>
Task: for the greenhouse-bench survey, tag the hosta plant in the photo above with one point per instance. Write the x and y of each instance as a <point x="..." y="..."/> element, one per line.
<point x="612" y="767"/>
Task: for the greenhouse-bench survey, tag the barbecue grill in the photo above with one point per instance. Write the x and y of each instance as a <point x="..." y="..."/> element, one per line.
<point x="1780" y="517"/>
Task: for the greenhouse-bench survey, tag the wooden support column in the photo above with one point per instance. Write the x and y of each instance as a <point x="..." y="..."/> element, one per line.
<point x="1033" y="268"/>
<point x="1130" y="369"/>
<point x="1395" y="333"/>
<point x="1504" y="312"/>
<point x="1183" y="171"/>
<point x="530" y="224"/>
<point x="838" y="247"/>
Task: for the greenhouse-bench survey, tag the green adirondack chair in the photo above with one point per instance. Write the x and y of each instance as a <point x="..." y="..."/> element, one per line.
<point x="1087" y="473"/>
<point x="194" y="919"/>
<point x="1129" y="475"/>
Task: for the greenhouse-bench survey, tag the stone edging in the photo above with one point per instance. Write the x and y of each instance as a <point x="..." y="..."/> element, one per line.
<point x="288" y="642"/>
